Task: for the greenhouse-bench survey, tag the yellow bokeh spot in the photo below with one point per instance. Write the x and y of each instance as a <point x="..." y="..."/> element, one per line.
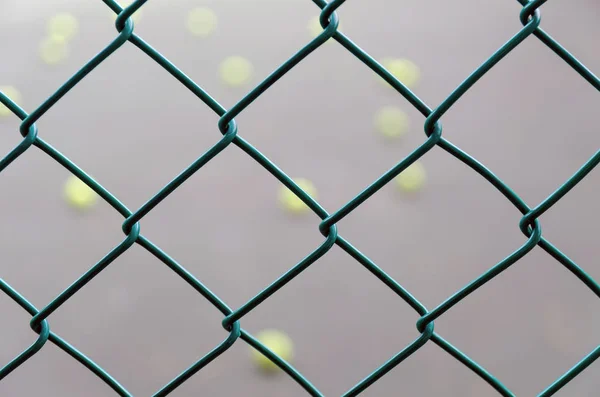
<point x="54" y="49"/>
<point x="201" y="21"/>
<point x="276" y="341"/>
<point x="404" y="70"/>
<point x="63" y="25"/>
<point x="236" y="71"/>
<point x="391" y="122"/>
<point x="14" y="96"/>
<point x="292" y="203"/>
<point x="78" y="194"/>
<point x="412" y="178"/>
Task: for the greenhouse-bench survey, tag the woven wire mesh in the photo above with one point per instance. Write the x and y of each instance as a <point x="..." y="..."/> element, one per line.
<point x="529" y="225"/>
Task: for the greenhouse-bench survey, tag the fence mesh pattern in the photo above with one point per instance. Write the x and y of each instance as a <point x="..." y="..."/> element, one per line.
<point x="529" y="225"/>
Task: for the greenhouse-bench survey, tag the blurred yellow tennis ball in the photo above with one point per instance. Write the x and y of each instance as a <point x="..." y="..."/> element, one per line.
<point x="78" y="194"/>
<point x="404" y="70"/>
<point x="14" y="96"/>
<point x="54" y="49"/>
<point x="412" y="178"/>
<point x="391" y="122"/>
<point x="276" y="341"/>
<point x="201" y="21"/>
<point x="292" y="203"/>
<point x="236" y="71"/>
<point x="314" y="26"/>
<point x="63" y="25"/>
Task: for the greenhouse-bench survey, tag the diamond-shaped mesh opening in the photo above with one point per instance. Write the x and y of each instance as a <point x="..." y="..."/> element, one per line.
<point x="325" y="294"/>
<point x="120" y="314"/>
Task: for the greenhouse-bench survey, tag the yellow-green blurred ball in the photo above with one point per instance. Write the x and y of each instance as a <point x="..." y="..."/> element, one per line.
<point x="391" y="122"/>
<point x="14" y="96"/>
<point x="236" y="71"/>
<point x="412" y="178"/>
<point x="63" y="25"/>
<point x="201" y="21"/>
<point x="276" y="341"/>
<point x="404" y="70"/>
<point x="78" y="194"/>
<point x="292" y="203"/>
<point x="54" y="49"/>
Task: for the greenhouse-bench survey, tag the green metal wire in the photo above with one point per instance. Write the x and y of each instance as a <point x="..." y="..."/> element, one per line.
<point x="529" y="225"/>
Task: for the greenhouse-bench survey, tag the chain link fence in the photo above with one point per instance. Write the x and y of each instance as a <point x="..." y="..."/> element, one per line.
<point x="529" y="225"/>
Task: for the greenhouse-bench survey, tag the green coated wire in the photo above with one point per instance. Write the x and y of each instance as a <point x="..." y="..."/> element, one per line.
<point x="528" y="224"/>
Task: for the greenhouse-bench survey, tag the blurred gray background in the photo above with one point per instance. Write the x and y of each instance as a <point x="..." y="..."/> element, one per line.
<point x="532" y="120"/>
